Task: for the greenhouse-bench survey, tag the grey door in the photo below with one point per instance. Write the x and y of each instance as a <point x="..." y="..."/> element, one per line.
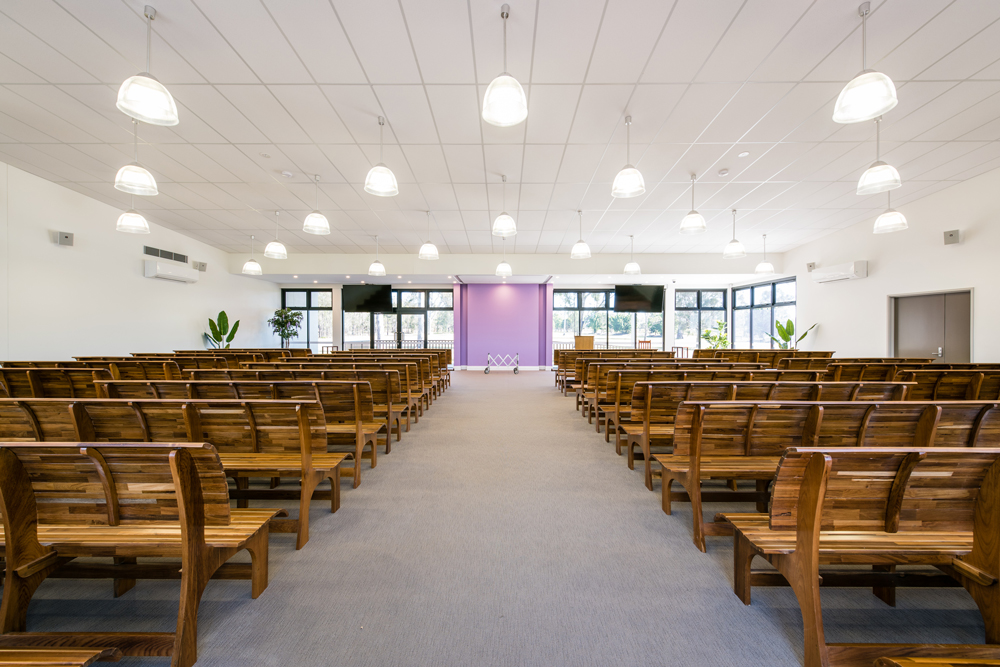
<point x="937" y="326"/>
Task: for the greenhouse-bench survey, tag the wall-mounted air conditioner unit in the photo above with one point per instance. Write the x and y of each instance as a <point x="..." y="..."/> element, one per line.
<point x="179" y="273"/>
<point x="850" y="271"/>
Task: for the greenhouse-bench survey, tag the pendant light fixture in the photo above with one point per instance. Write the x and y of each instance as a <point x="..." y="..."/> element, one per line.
<point x="252" y="268"/>
<point x="134" y="178"/>
<point x="765" y="268"/>
<point x="380" y="181"/>
<point x="132" y="222"/>
<point x="628" y="182"/>
<point x="632" y="268"/>
<point x="503" y="268"/>
<point x="890" y="221"/>
<point x="376" y="268"/>
<point x="880" y="177"/>
<point x="693" y="222"/>
<point x="504" y="224"/>
<point x="143" y="97"/>
<point x="580" y="249"/>
<point x="504" y="104"/>
<point x="734" y="249"/>
<point x="316" y="222"/>
<point x="869" y="94"/>
<point x="276" y="249"/>
<point x="428" y="250"/>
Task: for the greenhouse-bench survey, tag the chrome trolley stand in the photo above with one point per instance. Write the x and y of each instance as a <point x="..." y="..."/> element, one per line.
<point x="501" y="361"/>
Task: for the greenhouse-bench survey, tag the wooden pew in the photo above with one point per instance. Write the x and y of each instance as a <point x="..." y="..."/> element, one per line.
<point x="255" y="438"/>
<point x="436" y="372"/>
<point x="932" y="383"/>
<point x="953" y="659"/>
<point x="347" y="406"/>
<point x="51" y="382"/>
<point x="55" y="657"/>
<point x="743" y="440"/>
<point x="197" y="361"/>
<point x="880" y="507"/>
<point x="574" y="377"/>
<point x="62" y="502"/>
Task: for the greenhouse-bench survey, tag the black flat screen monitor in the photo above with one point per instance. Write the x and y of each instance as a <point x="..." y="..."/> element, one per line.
<point x="638" y="298"/>
<point x="367" y="298"/>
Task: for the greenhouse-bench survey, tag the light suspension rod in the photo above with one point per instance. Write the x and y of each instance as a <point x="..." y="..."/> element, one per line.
<point x="628" y="140"/>
<point x="863" y="10"/>
<point x="150" y="15"/>
<point x="381" y="124"/>
<point x="504" y="13"/>
<point x="692" y="191"/>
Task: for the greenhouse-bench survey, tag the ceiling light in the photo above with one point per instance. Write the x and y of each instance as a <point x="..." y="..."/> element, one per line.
<point x="316" y="222"/>
<point x="376" y="268"/>
<point x="143" y="97"/>
<point x="409" y="282"/>
<point x="132" y="222"/>
<point x="891" y="220"/>
<point x="723" y="172"/>
<point x="287" y="174"/>
<point x="252" y="268"/>
<point x="315" y="281"/>
<point x="628" y="182"/>
<point x="869" y="94"/>
<point x="743" y="154"/>
<point x="265" y="156"/>
<point x="880" y="177"/>
<point x="504" y="224"/>
<point x="580" y="249"/>
<point x="294" y="276"/>
<point x="734" y="249"/>
<point x="693" y="222"/>
<point x="503" y="268"/>
<point x="348" y="277"/>
<point x="380" y="181"/>
<point x="632" y="268"/>
<point x="765" y="268"/>
<point x="399" y="277"/>
<point x="275" y="249"/>
<point x="428" y="250"/>
<point x="133" y="178"/>
<point x="504" y="104"/>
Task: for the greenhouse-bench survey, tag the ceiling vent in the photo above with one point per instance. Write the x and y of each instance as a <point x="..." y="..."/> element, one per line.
<point x="164" y="254"/>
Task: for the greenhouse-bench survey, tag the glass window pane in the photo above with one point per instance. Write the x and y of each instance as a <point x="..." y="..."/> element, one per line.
<point x="565" y="300"/>
<point x="783" y="314"/>
<point x="762" y="295"/>
<point x="620" y="326"/>
<point x="594" y="323"/>
<point x="743" y="298"/>
<point x="741" y="328"/>
<point x="565" y="325"/>
<point x="593" y="299"/>
<point x="686" y="300"/>
<point x="611" y="301"/>
<point x="395" y="298"/>
<point x="413" y="299"/>
<point x="761" y="328"/>
<point x="385" y="330"/>
<point x="321" y="299"/>
<point x="357" y="330"/>
<point x="713" y="300"/>
<point x="320" y="328"/>
<point x="784" y="292"/>
<point x="709" y="318"/>
<point x="413" y="326"/>
<point x="686" y="328"/>
<point x="295" y="299"/>
<point x="440" y="299"/>
<point x="441" y="325"/>
<point x="649" y="326"/>
<point x="300" y="337"/>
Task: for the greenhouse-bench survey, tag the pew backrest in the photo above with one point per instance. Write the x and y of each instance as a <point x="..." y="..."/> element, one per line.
<point x="51" y="382"/>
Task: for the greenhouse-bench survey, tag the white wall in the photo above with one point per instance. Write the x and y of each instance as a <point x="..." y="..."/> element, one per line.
<point x="853" y="316"/>
<point x="91" y="299"/>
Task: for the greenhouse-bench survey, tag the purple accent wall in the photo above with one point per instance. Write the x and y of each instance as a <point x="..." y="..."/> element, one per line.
<point x="503" y="319"/>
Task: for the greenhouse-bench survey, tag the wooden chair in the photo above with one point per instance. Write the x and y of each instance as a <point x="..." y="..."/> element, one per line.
<point x="644" y="345"/>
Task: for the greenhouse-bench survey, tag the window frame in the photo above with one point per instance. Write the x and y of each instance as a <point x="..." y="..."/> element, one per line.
<point x="608" y="309"/>
<point x="752" y="287"/>
<point x="398" y="311"/>
<point x="307" y="309"/>
<point x="701" y="308"/>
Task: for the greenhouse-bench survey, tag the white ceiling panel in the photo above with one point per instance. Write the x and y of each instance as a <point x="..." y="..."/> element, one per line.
<point x="379" y="36"/>
<point x="456" y="113"/>
<point x="312" y="29"/>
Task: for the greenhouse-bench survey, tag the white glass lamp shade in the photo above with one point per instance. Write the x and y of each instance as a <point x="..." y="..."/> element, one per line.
<point x="628" y="183"/>
<point x="276" y="250"/>
<point x="136" y="180"/>
<point x="504" y="225"/>
<point x="252" y="268"/>
<point x="867" y="96"/>
<point x="381" y="182"/>
<point x="428" y="251"/>
<point x="734" y="249"/>
<point x="890" y="221"/>
<point x="376" y="269"/>
<point x="132" y="222"/>
<point x="693" y="223"/>
<point x="504" y="270"/>
<point x="632" y="269"/>
<point x="580" y="250"/>
<point x="316" y="223"/>
<point x="144" y="98"/>
<point x="765" y="268"/>
<point x="504" y="104"/>
<point x="879" y="177"/>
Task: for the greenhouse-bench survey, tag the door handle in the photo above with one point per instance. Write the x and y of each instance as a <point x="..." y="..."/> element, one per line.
<point x="939" y="353"/>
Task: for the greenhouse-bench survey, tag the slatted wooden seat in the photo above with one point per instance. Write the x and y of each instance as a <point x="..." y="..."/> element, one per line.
<point x="949" y="384"/>
<point x="55" y="657"/>
<point x="51" y="382"/>
<point x="254" y="438"/>
<point x="959" y="657"/>
<point x="195" y="361"/>
<point x="125" y="501"/>
<point x="880" y="507"/>
<point x="745" y="439"/>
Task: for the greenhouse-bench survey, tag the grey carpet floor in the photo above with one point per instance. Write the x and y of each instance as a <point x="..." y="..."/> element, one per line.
<point x="502" y="531"/>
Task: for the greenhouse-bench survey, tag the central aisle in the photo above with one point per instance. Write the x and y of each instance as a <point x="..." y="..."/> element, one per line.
<point x="503" y="531"/>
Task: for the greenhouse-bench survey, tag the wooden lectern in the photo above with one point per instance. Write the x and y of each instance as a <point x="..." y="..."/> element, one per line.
<point x="583" y="342"/>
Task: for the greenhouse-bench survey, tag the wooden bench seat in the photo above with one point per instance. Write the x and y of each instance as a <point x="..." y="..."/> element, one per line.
<point x="51" y="382"/>
<point x="958" y="656"/>
<point x="55" y="657"/>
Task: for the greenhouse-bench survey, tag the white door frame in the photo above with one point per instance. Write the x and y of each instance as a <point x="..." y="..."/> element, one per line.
<point x="891" y="305"/>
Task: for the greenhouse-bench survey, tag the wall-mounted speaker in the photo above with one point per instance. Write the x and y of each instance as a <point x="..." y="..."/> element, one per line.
<point x="952" y="237"/>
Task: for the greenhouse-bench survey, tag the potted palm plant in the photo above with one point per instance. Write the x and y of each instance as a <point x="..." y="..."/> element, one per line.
<point x="221" y="335"/>
<point x="786" y="333"/>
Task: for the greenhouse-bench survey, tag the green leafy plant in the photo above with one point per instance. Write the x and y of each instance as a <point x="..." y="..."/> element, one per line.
<point x="786" y="335"/>
<point x="285" y="324"/>
<point x="718" y="336"/>
<point x="219" y="328"/>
